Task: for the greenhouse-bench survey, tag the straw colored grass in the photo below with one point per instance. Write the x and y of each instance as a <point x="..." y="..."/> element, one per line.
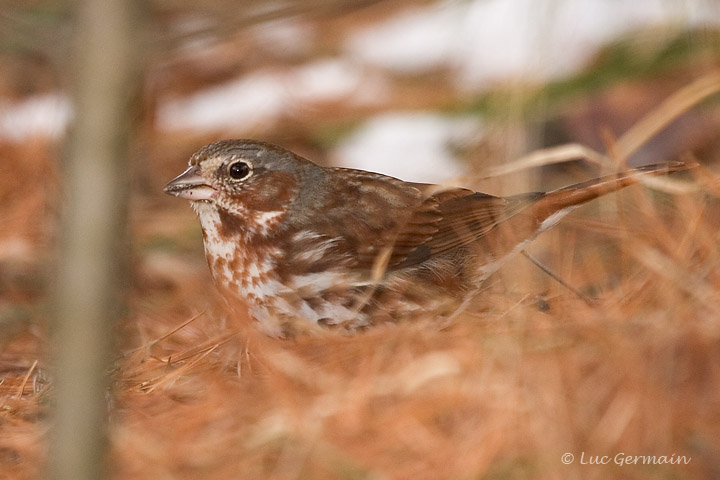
<point x="528" y="374"/>
<point x="502" y="393"/>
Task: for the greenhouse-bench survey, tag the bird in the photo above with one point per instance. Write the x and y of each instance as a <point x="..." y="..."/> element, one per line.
<point x="311" y="248"/>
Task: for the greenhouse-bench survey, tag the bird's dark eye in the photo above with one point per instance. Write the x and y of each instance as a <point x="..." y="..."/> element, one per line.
<point x="239" y="170"/>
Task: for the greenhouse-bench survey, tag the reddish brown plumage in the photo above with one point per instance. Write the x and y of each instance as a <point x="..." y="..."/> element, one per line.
<point x="306" y="245"/>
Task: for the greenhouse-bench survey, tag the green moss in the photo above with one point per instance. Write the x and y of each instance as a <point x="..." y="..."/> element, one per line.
<point x="330" y="135"/>
<point x="631" y="58"/>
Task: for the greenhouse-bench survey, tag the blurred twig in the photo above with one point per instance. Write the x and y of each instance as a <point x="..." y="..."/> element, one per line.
<point x="91" y="268"/>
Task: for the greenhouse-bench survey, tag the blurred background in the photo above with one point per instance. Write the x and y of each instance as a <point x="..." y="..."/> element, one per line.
<point x="431" y="91"/>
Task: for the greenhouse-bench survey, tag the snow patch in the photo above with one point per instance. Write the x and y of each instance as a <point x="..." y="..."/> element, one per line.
<point x="411" y="146"/>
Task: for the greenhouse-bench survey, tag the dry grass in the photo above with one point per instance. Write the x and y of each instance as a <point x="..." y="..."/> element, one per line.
<point x="499" y="394"/>
<point x="503" y="392"/>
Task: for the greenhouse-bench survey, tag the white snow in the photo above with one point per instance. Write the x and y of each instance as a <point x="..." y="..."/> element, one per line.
<point x="488" y="41"/>
<point x="241" y="104"/>
<point x="325" y="80"/>
<point x="40" y="116"/>
<point x="483" y="42"/>
<point x="411" y="146"/>
<point x="261" y="98"/>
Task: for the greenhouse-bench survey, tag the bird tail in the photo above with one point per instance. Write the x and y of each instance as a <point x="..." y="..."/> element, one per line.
<point x="564" y="199"/>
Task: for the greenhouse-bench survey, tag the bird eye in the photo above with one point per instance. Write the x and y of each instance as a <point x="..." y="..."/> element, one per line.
<point x="239" y="170"/>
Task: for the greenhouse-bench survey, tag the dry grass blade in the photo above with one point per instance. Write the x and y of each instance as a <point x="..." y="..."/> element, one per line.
<point x="664" y="266"/>
<point x="180" y="371"/>
<point x="673" y="186"/>
<point x="637" y="136"/>
<point x="556" y="277"/>
<point x="708" y="181"/>
<point x="21" y="388"/>
<point x="549" y="156"/>
<point x="209" y="345"/>
<point x="147" y="345"/>
<point x="677" y="104"/>
<point x="174" y="330"/>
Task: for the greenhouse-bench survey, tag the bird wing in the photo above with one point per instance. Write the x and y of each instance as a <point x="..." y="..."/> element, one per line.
<point x="383" y="221"/>
<point x="450" y="219"/>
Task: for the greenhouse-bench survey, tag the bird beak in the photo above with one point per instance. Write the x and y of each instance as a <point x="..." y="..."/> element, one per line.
<point x="190" y="185"/>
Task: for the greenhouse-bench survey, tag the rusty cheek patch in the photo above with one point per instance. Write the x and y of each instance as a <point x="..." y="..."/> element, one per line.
<point x="273" y="193"/>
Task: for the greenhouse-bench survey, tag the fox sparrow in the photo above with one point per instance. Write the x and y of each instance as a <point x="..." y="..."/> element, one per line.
<point x="306" y="245"/>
